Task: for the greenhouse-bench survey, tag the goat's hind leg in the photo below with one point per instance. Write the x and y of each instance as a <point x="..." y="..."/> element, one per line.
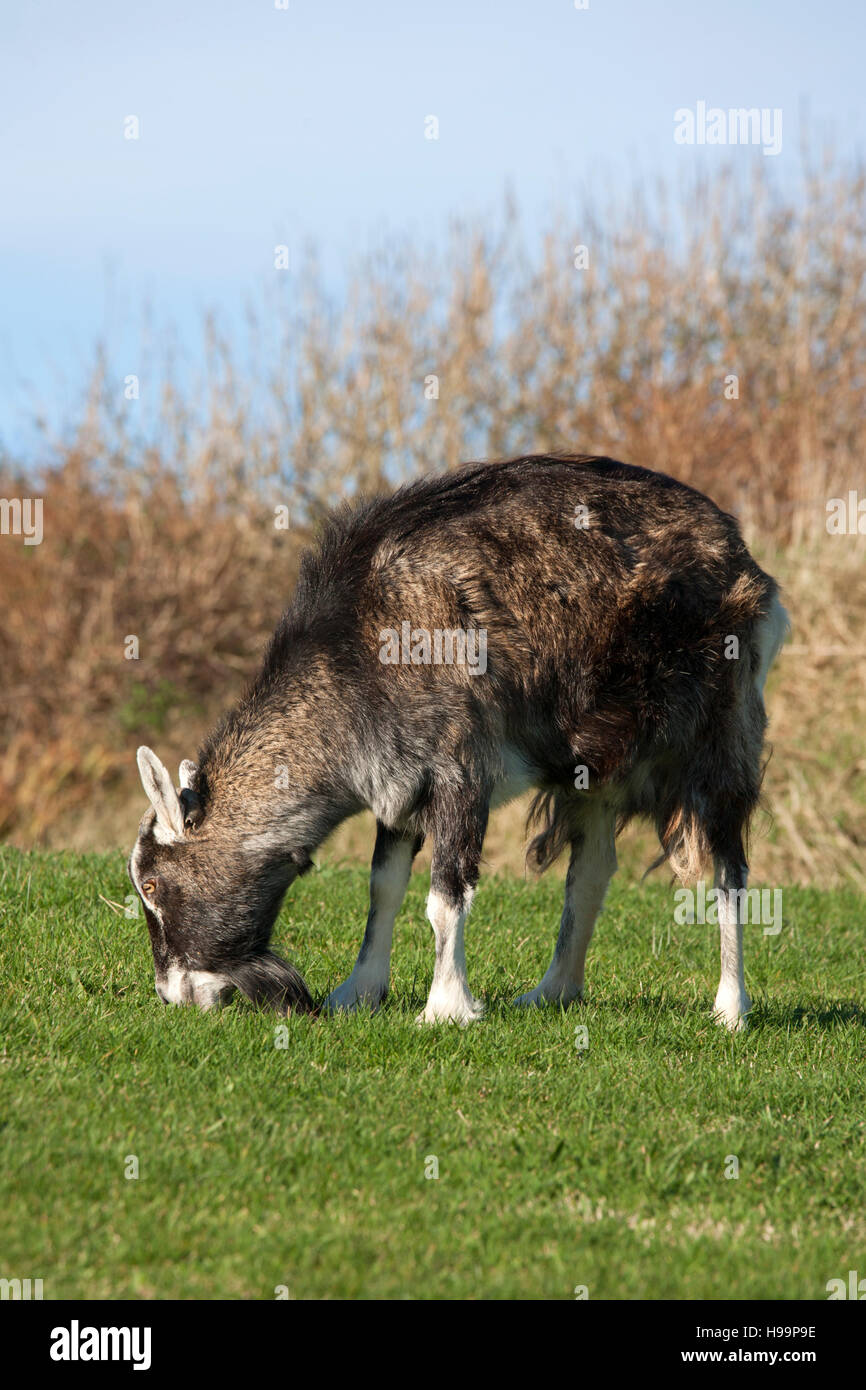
<point x="591" y="867"/>
<point x="389" y="876"/>
<point x="732" y="1003"/>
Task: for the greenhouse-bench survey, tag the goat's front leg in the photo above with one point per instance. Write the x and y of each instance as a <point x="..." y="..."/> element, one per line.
<point x="458" y="835"/>
<point x="389" y="876"/>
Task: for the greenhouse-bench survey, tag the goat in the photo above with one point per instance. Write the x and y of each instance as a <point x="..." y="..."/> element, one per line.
<point x="615" y="637"/>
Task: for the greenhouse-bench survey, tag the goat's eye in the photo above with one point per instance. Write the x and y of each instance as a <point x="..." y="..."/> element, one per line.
<point x="149" y="887"/>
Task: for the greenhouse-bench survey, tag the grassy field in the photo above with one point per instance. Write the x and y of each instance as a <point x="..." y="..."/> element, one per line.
<point x="304" y="1166"/>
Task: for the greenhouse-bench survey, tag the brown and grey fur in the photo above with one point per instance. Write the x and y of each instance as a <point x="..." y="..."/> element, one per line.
<point x="608" y="648"/>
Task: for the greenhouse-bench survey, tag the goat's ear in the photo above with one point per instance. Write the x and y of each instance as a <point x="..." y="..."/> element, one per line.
<point x="187" y="773"/>
<point x="157" y="783"/>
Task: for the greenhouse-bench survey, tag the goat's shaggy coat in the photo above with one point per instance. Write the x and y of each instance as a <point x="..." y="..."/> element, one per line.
<point x="628" y="637"/>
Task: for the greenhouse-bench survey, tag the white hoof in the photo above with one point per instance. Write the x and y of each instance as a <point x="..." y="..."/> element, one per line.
<point x="731" y="1009"/>
<point x="462" y="1009"/>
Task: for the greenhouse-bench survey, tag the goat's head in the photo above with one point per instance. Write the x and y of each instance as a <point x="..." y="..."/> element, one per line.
<point x="210" y="899"/>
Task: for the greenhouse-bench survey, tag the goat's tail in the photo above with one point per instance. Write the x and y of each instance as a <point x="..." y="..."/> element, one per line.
<point x="549" y="811"/>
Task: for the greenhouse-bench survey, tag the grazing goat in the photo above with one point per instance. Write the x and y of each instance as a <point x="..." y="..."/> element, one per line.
<point x="593" y="630"/>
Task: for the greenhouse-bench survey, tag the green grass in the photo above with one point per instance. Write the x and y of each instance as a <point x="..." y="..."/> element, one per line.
<point x="304" y="1166"/>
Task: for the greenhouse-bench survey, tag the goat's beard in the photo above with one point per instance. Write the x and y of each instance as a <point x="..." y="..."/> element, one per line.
<point x="271" y="982"/>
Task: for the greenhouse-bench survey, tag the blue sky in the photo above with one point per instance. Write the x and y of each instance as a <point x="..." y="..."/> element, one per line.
<point x="260" y="125"/>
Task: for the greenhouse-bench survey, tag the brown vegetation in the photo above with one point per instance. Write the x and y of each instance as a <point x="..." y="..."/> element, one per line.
<point x="167" y="533"/>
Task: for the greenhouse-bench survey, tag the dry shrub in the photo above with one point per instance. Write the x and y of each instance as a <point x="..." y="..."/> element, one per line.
<point x="199" y="589"/>
<point x="159" y="522"/>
